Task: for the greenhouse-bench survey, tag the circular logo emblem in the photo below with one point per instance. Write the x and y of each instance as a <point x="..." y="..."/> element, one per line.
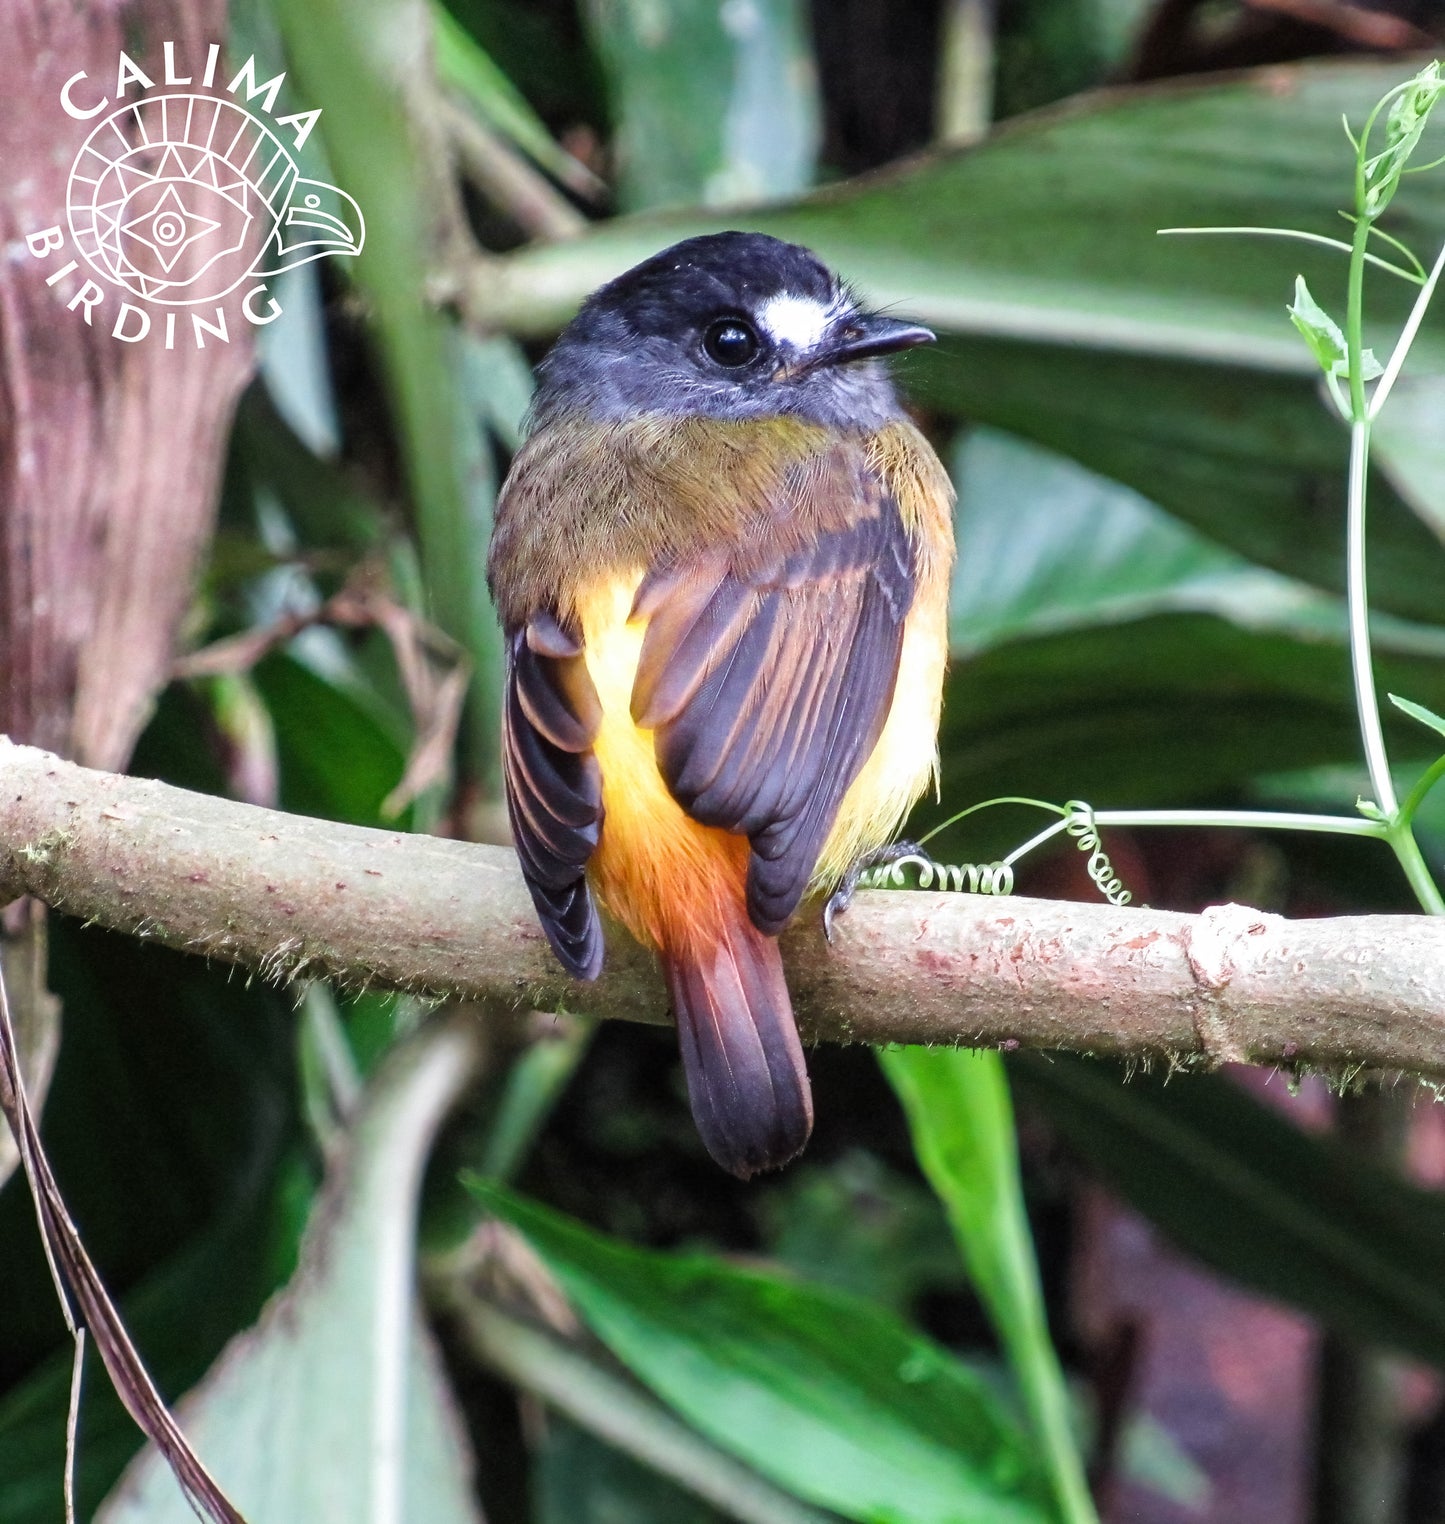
<point x="180" y="198"/>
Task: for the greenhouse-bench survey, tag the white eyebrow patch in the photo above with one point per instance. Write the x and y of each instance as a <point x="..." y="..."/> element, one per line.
<point x="796" y="320"/>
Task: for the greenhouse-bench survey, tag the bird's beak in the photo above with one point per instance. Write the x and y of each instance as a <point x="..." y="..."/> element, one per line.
<point x="868" y="335"/>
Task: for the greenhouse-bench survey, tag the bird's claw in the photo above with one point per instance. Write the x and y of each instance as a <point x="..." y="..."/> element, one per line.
<point x="842" y="896"/>
<point x="839" y="901"/>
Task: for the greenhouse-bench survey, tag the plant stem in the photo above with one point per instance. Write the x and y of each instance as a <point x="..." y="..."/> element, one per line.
<point x="1407" y="336"/>
<point x="965" y="74"/>
<point x="1399" y="831"/>
<point x="1428" y="779"/>
<point x="1301" y="237"/>
<point x="1362" y="667"/>
<point x="1267" y="820"/>
<point x="1412" y="860"/>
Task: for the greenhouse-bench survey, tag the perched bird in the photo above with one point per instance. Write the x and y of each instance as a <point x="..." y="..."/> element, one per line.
<point x="721" y="560"/>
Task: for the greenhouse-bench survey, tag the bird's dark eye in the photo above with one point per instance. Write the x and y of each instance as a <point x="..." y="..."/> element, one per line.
<point x="730" y="342"/>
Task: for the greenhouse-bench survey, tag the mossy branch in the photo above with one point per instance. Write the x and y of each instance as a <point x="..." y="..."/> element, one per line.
<point x="290" y="897"/>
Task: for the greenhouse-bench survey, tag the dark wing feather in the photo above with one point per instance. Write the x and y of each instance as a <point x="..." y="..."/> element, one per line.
<point x="554" y="787"/>
<point x="768" y="676"/>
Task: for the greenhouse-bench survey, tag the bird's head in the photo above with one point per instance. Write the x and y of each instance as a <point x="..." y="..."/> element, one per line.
<point x="727" y="326"/>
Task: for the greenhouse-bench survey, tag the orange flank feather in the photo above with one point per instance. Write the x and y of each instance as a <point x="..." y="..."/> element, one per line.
<point x="678" y="886"/>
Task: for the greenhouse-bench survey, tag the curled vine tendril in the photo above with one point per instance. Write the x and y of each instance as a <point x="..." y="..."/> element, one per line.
<point x="1076" y="818"/>
<point x="1079" y="823"/>
<point x="973" y="878"/>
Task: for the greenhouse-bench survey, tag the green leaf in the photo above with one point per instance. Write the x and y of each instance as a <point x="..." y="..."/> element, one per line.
<point x="1320" y="331"/>
<point x="340" y="750"/>
<point x="1162" y="362"/>
<point x="1426" y="717"/>
<point x="1253" y="460"/>
<point x="1095" y="713"/>
<point x="335" y="1407"/>
<point x="1150" y="1456"/>
<point x="293" y="361"/>
<point x="534" y="1084"/>
<point x="829" y="1396"/>
<point x="1049" y="49"/>
<point x="959" y="1114"/>
<point x="711" y="103"/>
<point x="500" y="384"/>
<point x="1048" y="545"/>
<point x="1294" y="1216"/>
<point x="180" y="1317"/>
<point x="269" y="461"/>
<point x="1047" y="232"/>
<point x="1324" y="338"/>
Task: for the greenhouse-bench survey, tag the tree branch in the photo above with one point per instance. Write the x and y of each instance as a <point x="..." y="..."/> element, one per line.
<point x="294" y="897"/>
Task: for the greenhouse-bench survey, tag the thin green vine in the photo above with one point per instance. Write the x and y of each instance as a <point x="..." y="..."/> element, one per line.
<point x="1350" y="370"/>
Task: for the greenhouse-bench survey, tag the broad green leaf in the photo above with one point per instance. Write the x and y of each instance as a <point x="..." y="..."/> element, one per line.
<point x="335" y="1407"/>
<point x="711" y="103"/>
<point x="1292" y="1215"/>
<point x="961" y="1120"/>
<point x="339" y="747"/>
<point x="1426" y="717"/>
<point x="1254" y="460"/>
<point x="1047" y="232"/>
<point x="1166" y="363"/>
<point x="1167" y="709"/>
<point x="830" y="1397"/>
<point x="1047" y="545"/>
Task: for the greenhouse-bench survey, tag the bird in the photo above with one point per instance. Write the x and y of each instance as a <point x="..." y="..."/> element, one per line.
<point x="721" y="560"/>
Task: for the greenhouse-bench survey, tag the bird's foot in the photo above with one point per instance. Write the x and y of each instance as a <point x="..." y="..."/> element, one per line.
<point x="842" y="896"/>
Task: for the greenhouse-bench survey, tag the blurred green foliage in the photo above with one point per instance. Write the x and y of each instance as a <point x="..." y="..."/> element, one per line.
<point x="1146" y="612"/>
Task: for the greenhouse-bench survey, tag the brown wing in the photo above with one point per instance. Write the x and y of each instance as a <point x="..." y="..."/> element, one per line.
<point x="768" y="673"/>
<point x="554" y="787"/>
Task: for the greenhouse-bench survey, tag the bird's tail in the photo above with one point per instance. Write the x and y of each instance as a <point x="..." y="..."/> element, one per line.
<point x="746" y="1078"/>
